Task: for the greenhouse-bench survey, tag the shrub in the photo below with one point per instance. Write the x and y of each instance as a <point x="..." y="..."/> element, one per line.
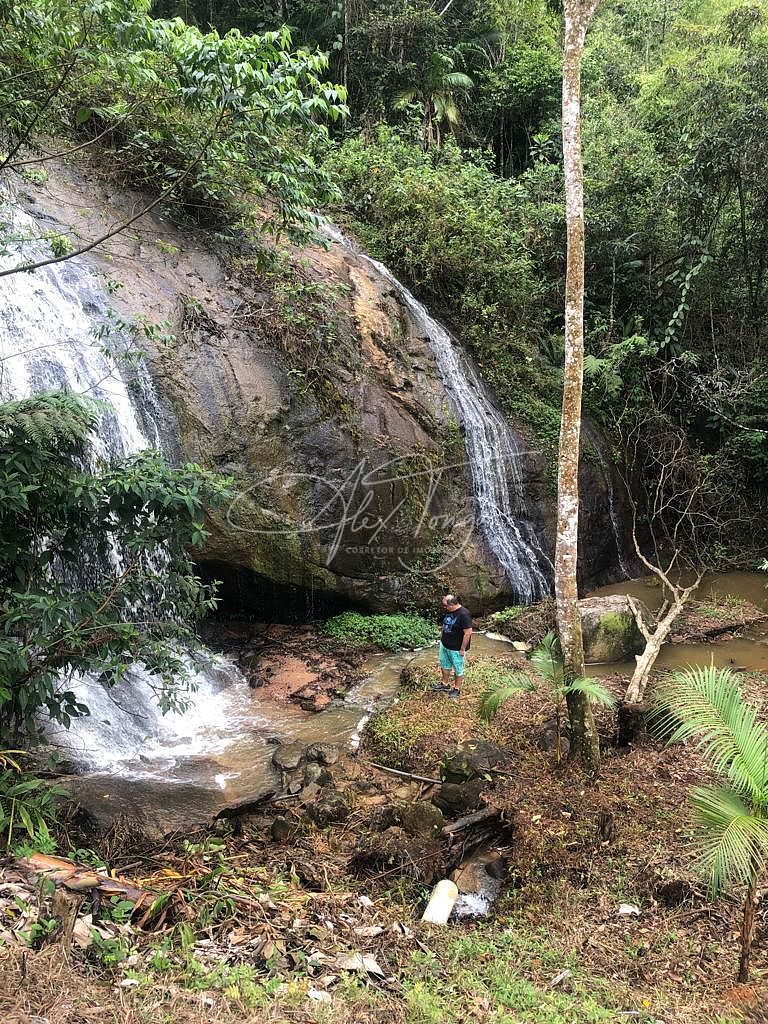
<point x="389" y="631"/>
<point x="505" y="615"/>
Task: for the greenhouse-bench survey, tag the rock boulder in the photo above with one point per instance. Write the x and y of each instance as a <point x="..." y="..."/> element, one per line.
<point x="609" y="628"/>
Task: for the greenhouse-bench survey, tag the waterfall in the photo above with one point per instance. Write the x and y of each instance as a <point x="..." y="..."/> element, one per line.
<point x="49" y="324"/>
<point x="613" y="512"/>
<point x="494" y="452"/>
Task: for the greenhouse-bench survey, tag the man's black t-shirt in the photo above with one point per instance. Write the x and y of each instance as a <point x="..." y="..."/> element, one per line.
<point x="454" y="624"/>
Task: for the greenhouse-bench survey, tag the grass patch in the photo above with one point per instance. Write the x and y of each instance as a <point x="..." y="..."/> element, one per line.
<point x="392" y="632"/>
<point x="421" y="725"/>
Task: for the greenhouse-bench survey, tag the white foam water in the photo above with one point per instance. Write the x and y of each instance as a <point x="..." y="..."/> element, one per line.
<point x="494" y="451"/>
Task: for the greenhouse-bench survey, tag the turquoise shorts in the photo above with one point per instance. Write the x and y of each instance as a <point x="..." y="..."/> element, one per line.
<point x="451" y="660"/>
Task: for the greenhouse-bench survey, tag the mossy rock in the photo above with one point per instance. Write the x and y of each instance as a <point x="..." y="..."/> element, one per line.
<point x="609" y="629"/>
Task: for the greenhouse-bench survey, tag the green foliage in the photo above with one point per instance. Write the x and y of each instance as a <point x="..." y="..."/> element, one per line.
<point x="505" y="615"/>
<point x="705" y="706"/>
<point x="392" y="632"/>
<point x="547" y="661"/>
<point x="66" y="603"/>
<point x="224" y="119"/>
<point x="27" y="805"/>
<point x="436" y="95"/>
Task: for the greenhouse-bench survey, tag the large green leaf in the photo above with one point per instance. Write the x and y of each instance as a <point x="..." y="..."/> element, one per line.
<point x="734" y="840"/>
<point x="705" y="705"/>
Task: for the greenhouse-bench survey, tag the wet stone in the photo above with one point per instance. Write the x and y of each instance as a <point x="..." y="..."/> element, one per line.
<point x="288" y="756"/>
<point x="324" y="753"/>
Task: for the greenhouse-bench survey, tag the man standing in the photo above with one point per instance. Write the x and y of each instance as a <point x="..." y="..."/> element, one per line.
<point x="455" y="638"/>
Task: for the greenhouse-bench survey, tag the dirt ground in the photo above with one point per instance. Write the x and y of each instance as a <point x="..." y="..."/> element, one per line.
<point x="258" y="920"/>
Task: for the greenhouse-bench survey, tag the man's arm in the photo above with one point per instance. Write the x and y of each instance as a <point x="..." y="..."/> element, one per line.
<point x="465" y="640"/>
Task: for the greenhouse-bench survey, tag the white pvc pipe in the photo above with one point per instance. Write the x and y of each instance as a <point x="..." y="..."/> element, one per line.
<point x="441" y="902"/>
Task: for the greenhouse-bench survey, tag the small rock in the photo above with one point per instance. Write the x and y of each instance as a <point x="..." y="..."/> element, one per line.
<point x="471" y="759"/>
<point x="546" y="739"/>
<point x="310" y="793"/>
<point x="281" y="829"/>
<point x="459" y="798"/>
<point x="317" y="775"/>
<point x="288" y="756"/>
<point x="312" y="773"/>
<point x="330" y="809"/>
<point x="324" y="753"/>
<point x="294" y="788"/>
<point x="310" y="875"/>
<point x="382" y="818"/>
<point x="422" y="819"/>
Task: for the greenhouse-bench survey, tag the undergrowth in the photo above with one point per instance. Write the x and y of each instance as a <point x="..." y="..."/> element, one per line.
<point x="392" y="632"/>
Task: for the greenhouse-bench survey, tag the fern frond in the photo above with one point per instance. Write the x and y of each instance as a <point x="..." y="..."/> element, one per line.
<point x="50" y="418"/>
<point x="497" y="694"/>
<point x="705" y="705"/>
<point x="594" y="691"/>
<point x="735" y="841"/>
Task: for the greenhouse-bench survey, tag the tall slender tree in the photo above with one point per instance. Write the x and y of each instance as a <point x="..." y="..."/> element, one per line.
<point x="578" y="14"/>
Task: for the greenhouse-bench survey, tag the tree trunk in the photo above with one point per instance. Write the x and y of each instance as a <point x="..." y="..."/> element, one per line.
<point x="748" y="929"/>
<point x="584" y="740"/>
<point x="655" y="640"/>
<point x="345" y="43"/>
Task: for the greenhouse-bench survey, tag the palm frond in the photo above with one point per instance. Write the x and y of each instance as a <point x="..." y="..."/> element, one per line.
<point x="547" y="658"/>
<point x="445" y="108"/>
<point x="404" y="97"/>
<point x="705" y="705"/>
<point x="735" y="841"/>
<point x="456" y="80"/>
<point x="594" y="691"/>
<point x="498" y="693"/>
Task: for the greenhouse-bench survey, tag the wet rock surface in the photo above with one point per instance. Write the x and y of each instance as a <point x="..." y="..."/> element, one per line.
<point x="226" y="385"/>
<point x="288" y="756"/>
<point x="609" y="628"/>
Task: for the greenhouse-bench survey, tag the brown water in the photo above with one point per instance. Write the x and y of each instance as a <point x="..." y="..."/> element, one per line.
<point x="749" y="651"/>
<point x="178" y="790"/>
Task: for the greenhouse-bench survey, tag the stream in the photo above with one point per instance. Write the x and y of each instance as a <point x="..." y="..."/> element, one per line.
<point x="174" y="771"/>
<point x="182" y="769"/>
<point x="748" y="651"/>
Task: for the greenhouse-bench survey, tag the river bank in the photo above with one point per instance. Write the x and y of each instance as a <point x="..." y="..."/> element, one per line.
<point x="280" y="914"/>
<point x="307" y="908"/>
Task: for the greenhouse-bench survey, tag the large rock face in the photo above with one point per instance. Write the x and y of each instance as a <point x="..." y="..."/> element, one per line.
<point x="609" y="628"/>
<point x="313" y="389"/>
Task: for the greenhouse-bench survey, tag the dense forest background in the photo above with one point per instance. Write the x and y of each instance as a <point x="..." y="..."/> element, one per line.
<point x="443" y="156"/>
<point x="449" y="166"/>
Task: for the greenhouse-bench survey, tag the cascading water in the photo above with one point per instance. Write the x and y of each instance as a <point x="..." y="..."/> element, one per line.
<point x="494" y="452"/>
<point x="48" y="324"/>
